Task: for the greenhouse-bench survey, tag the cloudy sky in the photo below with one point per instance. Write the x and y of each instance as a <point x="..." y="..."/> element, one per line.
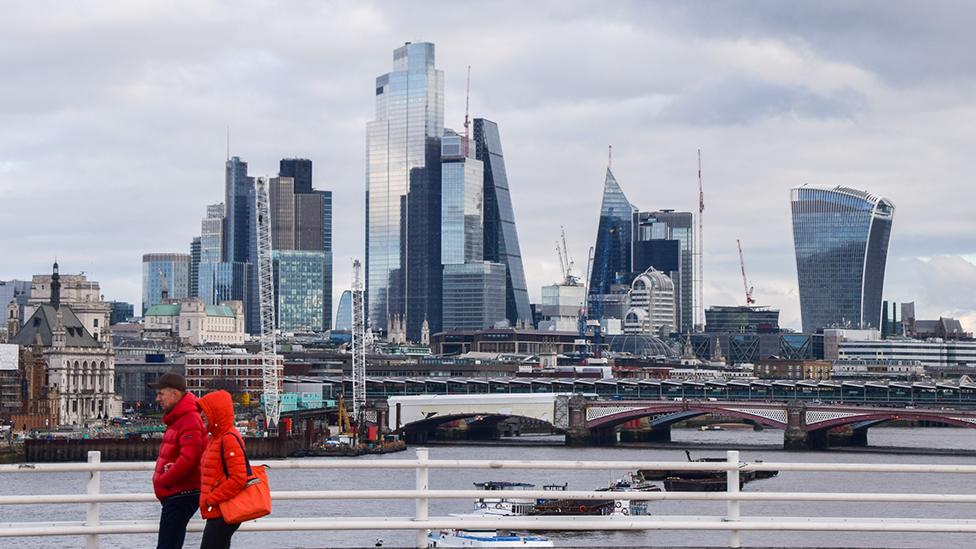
<point x="113" y="118"/>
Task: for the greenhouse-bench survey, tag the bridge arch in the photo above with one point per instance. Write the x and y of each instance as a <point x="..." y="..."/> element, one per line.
<point x="680" y="411"/>
<point x="876" y="417"/>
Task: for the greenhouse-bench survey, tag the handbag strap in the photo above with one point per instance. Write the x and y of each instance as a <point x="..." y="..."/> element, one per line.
<point x="223" y="461"/>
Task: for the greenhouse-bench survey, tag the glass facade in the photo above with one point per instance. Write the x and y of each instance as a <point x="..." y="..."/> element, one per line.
<point x="501" y="244"/>
<point x="670" y="226"/>
<point x="343" y="320"/>
<point x="299" y="280"/>
<point x="223" y="282"/>
<point x="840" y="237"/>
<point x="741" y="319"/>
<point x="239" y="198"/>
<point x="300" y="170"/>
<point x="403" y="192"/>
<point x="462" y="202"/>
<point x="173" y="268"/>
<point x="240" y="234"/>
<point x="474" y="295"/>
<point x="612" y="256"/>
<point x="195" y="247"/>
<point x="121" y="312"/>
<point x="212" y="235"/>
<point x="281" y="194"/>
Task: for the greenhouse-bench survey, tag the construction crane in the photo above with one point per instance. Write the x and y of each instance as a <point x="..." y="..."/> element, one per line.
<point x="268" y="358"/>
<point x="745" y="281"/>
<point x="359" y="343"/>
<point x="699" y="309"/>
<point x="583" y="322"/>
<point x="568" y="270"/>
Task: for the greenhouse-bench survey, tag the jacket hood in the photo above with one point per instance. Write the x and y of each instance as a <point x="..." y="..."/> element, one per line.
<point x="219" y="409"/>
<point x="186" y="404"/>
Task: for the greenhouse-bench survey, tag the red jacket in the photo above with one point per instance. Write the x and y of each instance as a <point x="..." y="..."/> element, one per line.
<point x="215" y="486"/>
<point x="182" y="446"/>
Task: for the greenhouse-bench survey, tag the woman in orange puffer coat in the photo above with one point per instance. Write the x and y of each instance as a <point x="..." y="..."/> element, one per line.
<point x="226" y="447"/>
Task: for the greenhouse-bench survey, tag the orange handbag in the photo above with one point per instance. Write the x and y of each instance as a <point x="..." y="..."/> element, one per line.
<point x="254" y="501"/>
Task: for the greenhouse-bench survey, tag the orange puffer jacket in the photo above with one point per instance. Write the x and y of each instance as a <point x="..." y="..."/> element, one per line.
<point x="215" y="486"/>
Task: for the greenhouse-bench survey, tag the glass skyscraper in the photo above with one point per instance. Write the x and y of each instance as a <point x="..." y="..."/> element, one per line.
<point x="841" y="240"/>
<point x="299" y="169"/>
<point x="240" y="235"/>
<point x="654" y="234"/>
<point x="212" y="234"/>
<point x="195" y="245"/>
<point x="612" y="256"/>
<point x="343" y="321"/>
<point x="474" y="295"/>
<point x="403" y="192"/>
<point x="462" y="202"/>
<point x="299" y="281"/>
<point x="174" y="269"/>
<point x="501" y="244"/>
<point x="223" y="282"/>
<point x="301" y="219"/>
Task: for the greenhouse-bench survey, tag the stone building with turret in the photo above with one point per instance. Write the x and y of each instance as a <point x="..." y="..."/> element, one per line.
<point x="68" y="373"/>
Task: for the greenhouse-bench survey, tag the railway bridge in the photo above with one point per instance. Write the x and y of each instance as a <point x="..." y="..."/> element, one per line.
<point x="595" y="422"/>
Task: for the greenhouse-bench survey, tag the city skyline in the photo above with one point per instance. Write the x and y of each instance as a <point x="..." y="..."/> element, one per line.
<point x="773" y="103"/>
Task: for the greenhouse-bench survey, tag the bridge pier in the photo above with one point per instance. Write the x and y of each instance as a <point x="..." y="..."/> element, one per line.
<point x="796" y="438"/>
<point x="578" y="434"/>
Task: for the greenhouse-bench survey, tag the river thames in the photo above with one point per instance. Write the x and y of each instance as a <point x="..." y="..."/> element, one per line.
<point x="757" y="445"/>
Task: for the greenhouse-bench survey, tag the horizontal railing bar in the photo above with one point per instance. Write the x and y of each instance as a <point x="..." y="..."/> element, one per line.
<point x="520" y="523"/>
<point x="519" y="464"/>
<point x="285" y="495"/>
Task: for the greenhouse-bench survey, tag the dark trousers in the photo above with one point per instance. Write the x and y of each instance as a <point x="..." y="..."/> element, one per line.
<point x="217" y="533"/>
<point x="177" y="511"/>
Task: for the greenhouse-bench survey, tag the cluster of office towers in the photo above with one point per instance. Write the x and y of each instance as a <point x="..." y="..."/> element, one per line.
<point x="222" y="263"/>
<point x="840" y="239"/>
<point x="442" y="251"/>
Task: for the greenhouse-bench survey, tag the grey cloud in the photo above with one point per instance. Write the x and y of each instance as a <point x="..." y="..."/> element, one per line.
<point x="113" y="120"/>
<point x="742" y="100"/>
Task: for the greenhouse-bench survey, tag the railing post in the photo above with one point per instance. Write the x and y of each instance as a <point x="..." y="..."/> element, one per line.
<point x="422" y="512"/>
<point x="732" y="488"/>
<point x="94" y="489"/>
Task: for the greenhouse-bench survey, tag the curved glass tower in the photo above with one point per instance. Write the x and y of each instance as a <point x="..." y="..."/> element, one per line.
<point x="841" y="240"/>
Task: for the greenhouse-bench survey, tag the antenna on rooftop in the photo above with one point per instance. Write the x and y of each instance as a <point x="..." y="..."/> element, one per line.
<point x="228" y="142"/>
<point x="467" y="104"/>
<point x="609" y="156"/>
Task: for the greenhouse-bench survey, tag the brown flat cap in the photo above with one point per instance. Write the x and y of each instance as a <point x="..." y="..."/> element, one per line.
<point x="170" y="380"/>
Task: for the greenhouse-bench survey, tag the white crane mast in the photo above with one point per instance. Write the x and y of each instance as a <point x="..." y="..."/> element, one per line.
<point x="269" y="362"/>
<point x="745" y="281"/>
<point x="699" y="309"/>
<point x="359" y="343"/>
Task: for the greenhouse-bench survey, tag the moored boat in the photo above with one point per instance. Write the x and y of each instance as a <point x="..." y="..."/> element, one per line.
<point x="485" y="538"/>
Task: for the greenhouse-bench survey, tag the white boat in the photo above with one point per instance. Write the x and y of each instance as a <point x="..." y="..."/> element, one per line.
<point x="484" y="538"/>
<point x="503" y="504"/>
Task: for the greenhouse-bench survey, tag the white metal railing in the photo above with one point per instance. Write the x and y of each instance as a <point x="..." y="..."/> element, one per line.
<point x="733" y="521"/>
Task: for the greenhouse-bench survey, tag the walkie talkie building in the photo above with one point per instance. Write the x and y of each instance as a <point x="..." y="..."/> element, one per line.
<point x="841" y="240"/>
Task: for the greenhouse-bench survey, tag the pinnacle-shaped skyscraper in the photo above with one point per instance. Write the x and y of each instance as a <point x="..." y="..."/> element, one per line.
<point x="841" y="241"/>
<point x="612" y="257"/>
<point x="403" y="267"/>
<point x="501" y="244"/>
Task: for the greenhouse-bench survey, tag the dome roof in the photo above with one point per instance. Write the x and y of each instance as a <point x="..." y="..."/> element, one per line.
<point x="641" y="345"/>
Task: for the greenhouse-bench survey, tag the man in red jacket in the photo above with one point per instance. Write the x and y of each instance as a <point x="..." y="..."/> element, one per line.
<point x="176" y="479"/>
